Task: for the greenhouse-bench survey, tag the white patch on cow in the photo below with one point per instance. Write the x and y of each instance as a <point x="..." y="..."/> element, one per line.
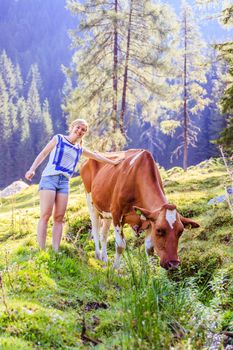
<point x="135" y="158"/>
<point x="104" y="236"/>
<point x="89" y="203"/>
<point x="106" y="215"/>
<point x="95" y="224"/>
<point x="120" y="243"/>
<point x="148" y="243"/>
<point x="149" y="246"/>
<point x="142" y="217"/>
<point x="171" y="217"/>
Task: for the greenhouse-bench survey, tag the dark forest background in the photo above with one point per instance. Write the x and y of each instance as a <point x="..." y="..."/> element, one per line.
<point x="34" y="45"/>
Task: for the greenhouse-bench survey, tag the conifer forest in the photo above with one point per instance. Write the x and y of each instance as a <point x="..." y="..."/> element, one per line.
<point x="144" y="74"/>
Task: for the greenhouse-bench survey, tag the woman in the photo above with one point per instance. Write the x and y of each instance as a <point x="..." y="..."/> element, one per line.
<point x="65" y="152"/>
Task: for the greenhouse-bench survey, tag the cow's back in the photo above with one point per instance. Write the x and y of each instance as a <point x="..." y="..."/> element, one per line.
<point x="91" y="167"/>
<point x="120" y="185"/>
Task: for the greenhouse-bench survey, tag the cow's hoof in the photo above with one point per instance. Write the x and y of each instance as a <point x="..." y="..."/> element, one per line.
<point x="98" y="255"/>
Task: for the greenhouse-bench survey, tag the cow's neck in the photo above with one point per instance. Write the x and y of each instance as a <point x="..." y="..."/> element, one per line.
<point x="149" y="183"/>
<point x="152" y="197"/>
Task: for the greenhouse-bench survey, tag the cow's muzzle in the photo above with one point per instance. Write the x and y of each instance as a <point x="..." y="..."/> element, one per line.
<point x="171" y="265"/>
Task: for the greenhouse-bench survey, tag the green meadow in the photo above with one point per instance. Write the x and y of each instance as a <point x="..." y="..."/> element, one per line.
<point x="69" y="300"/>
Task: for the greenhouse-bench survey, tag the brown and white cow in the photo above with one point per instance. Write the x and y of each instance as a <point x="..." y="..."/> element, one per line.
<point x="132" y="192"/>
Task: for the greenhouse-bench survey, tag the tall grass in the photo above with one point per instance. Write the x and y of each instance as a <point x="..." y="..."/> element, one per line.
<point x="229" y="196"/>
<point x="163" y="314"/>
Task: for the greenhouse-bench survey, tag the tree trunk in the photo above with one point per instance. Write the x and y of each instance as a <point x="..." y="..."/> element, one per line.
<point x="124" y="91"/>
<point x="114" y="75"/>
<point x="185" y="157"/>
<point x="115" y="64"/>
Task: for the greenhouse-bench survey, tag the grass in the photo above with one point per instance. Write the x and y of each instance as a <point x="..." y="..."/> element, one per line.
<point x="161" y="313"/>
<point x="67" y="300"/>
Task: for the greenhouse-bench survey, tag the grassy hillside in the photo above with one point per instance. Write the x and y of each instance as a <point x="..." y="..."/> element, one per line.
<point x="68" y="300"/>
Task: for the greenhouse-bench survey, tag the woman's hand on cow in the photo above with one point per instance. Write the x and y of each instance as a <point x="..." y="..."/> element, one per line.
<point x="117" y="161"/>
<point x="100" y="158"/>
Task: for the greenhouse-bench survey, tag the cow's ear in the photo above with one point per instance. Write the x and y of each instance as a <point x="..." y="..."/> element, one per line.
<point x="144" y="213"/>
<point x="188" y="222"/>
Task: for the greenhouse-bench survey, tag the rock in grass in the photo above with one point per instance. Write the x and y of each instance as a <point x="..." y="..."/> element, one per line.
<point x="15" y="187"/>
<point x="222" y="198"/>
<point x="218" y="199"/>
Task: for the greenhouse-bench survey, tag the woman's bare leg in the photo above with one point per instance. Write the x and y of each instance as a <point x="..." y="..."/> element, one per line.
<point x="47" y="200"/>
<point x="58" y="216"/>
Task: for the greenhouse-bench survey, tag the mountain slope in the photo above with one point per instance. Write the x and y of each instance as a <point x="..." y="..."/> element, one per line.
<point x="69" y="301"/>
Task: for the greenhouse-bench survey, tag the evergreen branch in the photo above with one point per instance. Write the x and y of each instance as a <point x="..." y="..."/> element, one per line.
<point x="100" y="45"/>
<point x="93" y="94"/>
<point x="93" y="62"/>
<point x="177" y="152"/>
<point x="143" y="81"/>
<point x="147" y="134"/>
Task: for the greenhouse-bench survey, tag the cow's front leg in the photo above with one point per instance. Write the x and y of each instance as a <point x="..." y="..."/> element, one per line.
<point x="104" y="236"/>
<point x="120" y="244"/>
<point x="95" y="225"/>
<point x="149" y="246"/>
<point x="95" y="234"/>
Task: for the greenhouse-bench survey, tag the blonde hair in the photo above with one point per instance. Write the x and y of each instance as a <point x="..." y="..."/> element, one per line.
<point x="78" y="121"/>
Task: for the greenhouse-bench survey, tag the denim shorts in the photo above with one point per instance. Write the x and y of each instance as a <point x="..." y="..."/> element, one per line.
<point x="58" y="183"/>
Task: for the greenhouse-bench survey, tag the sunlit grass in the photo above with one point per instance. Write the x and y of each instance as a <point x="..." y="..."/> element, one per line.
<point x="48" y="299"/>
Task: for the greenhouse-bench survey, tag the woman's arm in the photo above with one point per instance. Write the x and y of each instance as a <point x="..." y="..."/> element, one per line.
<point x="39" y="159"/>
<point x="99" y="157"/>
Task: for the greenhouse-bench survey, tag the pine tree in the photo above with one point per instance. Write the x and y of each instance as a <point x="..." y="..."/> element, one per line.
<point x="47" y="121"/>
<point x="112" y="65"/>
<point x="36" y="31"/>
<point x="226" y="53"/>
<point x="4" y="131"/>
<point x="25" y="126"/>
<point x="34" y="109"/>
<point x="212" y="121"/>
<point x="39" y="117"/>
<point x="96" y="67"/>
<point x="10" y="76"/>
<point x="23" y="139"/>
<point x="10" y="89"/>
<point x="190" y="96"/>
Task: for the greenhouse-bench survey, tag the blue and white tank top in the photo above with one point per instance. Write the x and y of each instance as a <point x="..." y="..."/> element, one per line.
<point x="63" y="158"/>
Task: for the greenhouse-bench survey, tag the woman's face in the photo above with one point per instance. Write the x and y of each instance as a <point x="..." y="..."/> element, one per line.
<point x="79" y="130"/>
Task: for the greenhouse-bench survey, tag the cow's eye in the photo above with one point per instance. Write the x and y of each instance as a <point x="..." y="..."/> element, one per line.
<point x="161" y="232"/>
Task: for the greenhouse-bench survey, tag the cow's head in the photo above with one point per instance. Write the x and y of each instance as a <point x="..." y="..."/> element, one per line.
<point x="166" y="226"/>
